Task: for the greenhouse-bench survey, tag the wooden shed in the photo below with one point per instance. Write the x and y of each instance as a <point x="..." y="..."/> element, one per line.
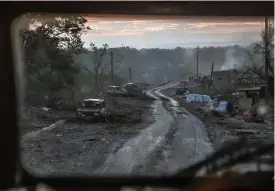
<point x="250" y="96"/>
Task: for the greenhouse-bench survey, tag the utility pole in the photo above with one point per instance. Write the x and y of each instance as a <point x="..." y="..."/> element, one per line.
<point x="211" y="75"/>
<point x="130" y="75"/>
<point x="266" y="57"/>
<point x="197" y="75"/>
<point x="112" y="68"/>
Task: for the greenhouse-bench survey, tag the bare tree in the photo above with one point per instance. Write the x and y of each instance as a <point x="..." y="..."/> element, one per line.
<point x="100" y="67"/>
<point x="260" y="50"/>
<point x="254" y="67"/>
<point x="97" y="62"/>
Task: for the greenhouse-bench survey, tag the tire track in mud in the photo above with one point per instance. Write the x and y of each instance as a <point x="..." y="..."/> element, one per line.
<point x="136" y="150"/>
<point x="184" y="144"/>
<point x="162" y="152"/>
<point x="175" y="117"/>
<point x="131" y="156"/>
<point x="164" y="147"/>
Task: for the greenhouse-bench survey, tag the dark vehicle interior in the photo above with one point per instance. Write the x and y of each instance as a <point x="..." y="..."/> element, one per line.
<point x="13" y="175"/>
<point x="92" y="104"/>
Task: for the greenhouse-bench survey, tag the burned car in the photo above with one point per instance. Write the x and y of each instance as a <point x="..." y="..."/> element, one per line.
<point x="117" y="91"/>
<point x="134" y="90"/>
<point x="91" y="109"/>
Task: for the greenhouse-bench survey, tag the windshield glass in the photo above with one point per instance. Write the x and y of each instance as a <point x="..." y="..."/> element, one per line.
<point x="111" y="88"/>
<point x="119" y="88"/>
<point x="192" y="84"/>
<point x="91" y="104"/>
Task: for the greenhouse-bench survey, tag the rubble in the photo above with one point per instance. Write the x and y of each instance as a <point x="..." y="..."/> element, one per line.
<point x="265" y="109"/>
<point x="222" y="128"/>
<point x="126" y="110"/>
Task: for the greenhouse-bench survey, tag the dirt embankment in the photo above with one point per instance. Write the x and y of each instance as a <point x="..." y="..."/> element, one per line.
<point x="32" y="119"/>
<point x="221" y="130"/>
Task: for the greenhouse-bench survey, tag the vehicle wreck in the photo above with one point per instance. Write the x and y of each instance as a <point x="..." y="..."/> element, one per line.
<point x="91" y="109"/>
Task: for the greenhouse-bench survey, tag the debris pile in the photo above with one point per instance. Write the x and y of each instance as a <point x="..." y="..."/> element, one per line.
<point x="225" y="121"/>
<point x="126" y="110"/>
<point x="264" y="109"/>
<point x="130" y="116"/>
<point x="261" y="112"/>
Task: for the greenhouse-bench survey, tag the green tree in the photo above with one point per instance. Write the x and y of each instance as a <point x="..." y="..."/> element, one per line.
<point x="51" y="44"/>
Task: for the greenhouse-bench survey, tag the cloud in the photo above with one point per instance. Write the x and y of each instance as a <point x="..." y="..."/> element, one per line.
<point x="126" y="28"/>
<point x="98" y="27"/>
<point x="222" y="31"/>
<point x="235" y="24"/>
<point x="222" y="28"/>
<point x="110" y="34"/>
<point x="149" y="27"/>
<point x="147" y="31"/>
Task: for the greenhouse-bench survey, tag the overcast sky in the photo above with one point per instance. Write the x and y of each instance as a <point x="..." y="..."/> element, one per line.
<point x="151" y="32"/>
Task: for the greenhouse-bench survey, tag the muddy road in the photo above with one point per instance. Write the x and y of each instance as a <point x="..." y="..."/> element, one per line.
<point x="168" y="138"/>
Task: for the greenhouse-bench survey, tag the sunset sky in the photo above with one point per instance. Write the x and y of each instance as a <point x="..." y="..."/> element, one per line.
<point x="147" y="32"/>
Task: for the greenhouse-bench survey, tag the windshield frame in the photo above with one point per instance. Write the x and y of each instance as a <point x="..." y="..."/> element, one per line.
<point x="10" y="127"/>
<point x="86" y="104"/>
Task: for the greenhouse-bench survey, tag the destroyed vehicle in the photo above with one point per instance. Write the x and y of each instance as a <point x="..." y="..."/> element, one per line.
<point x="134" y="90"/>
<point x="116" y="91"/>
<point x="91" y="109"/>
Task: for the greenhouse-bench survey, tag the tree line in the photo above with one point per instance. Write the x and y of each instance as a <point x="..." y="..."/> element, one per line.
<point x="58" y="65"/>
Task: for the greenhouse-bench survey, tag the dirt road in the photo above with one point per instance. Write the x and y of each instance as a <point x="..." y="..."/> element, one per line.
<point x="169" y="139"/>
